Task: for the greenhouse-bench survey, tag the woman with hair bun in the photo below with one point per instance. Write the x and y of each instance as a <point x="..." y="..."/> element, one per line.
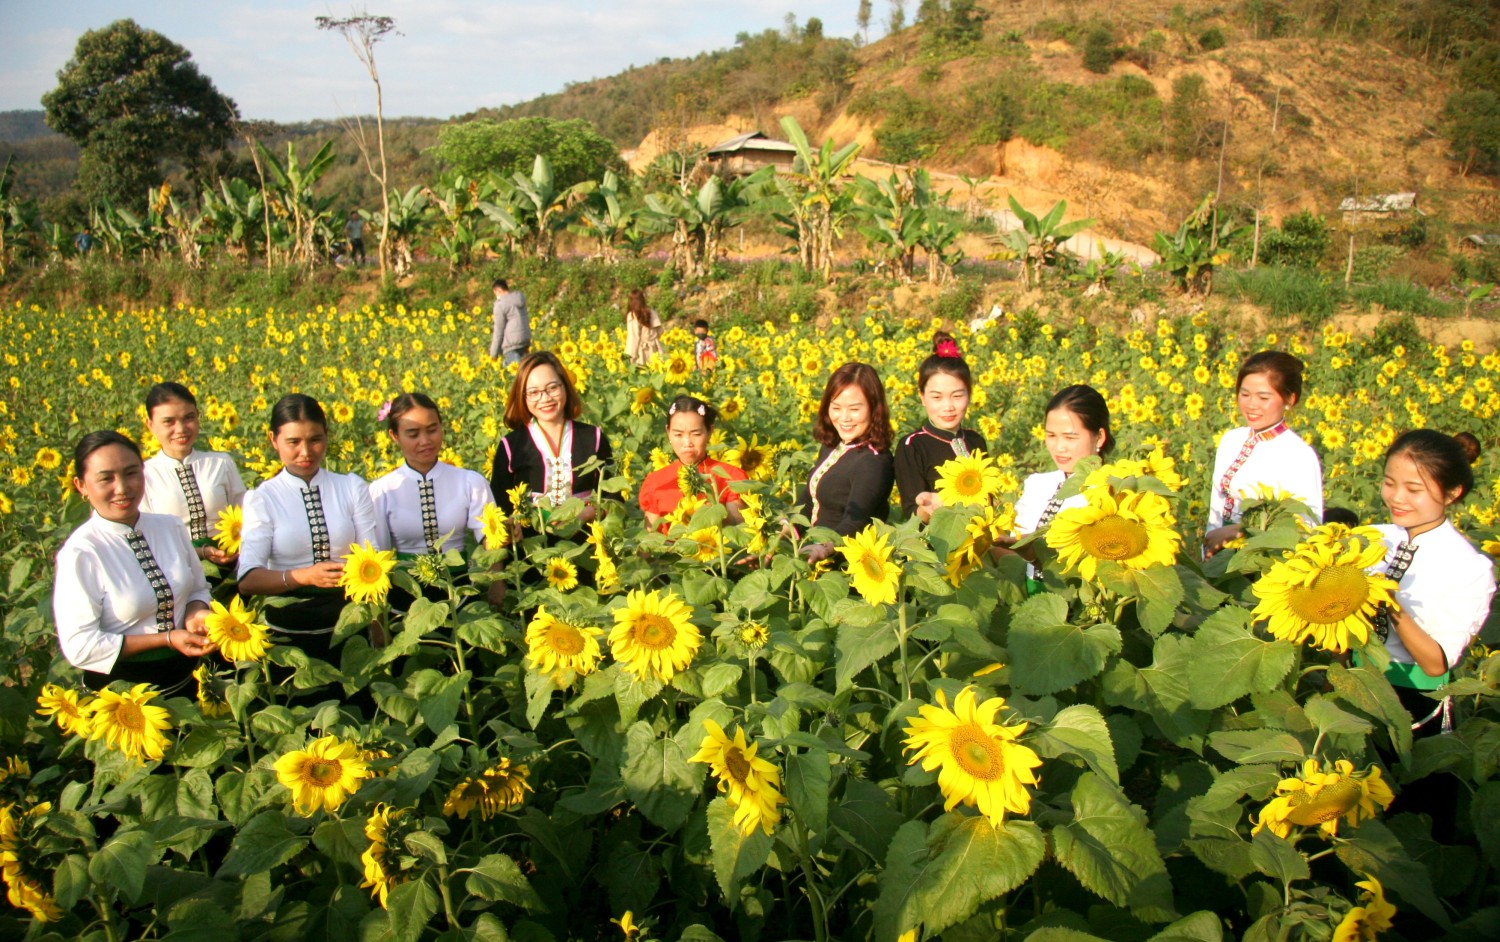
<point x="1264" y="452"/>
<point x="425" y="505"/>
<point x="945" y="385"/>
<point x="299" y="526"/>
<point x="690" y="425"/>
<point x="1443" y="584"/>
<point x="129" y="598"/>
<point x="850" y="484"/>
<point x="191" y="485"/>
<point x="1076" y="425"/>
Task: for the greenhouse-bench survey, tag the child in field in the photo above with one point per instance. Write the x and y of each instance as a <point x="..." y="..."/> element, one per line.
<point x="690" y="424"/>
<point x="704" y="350"/>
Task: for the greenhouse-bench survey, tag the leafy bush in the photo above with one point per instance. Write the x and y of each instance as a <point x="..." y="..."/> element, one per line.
<point x="1301" y="242"/>
<point x="1288" y="292"/>
<point x="1398" y="294"/>
<point x="1211" y="39"/>
<point x="1099" y="50"/>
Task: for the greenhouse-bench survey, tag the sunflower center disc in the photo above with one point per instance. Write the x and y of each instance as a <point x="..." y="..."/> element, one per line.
<point x="734" y="761"/>
<point x="323" y="772"/>
<point x="370" y="571"/>
<point x="1115" y="538"/>
<point x="130" y="717"/>
<point x="566" y="640"/>
<point x="238" y="631"/>
<point x="977" y="753"/>
<point x="969" y="484"/>
<point x="873" y="566"/>
<point x="1335" y="593"/>
<point x="654" y="631"/>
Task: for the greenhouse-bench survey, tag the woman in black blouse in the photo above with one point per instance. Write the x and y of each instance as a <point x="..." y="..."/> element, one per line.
<point x="851" y="483"/>
<point x="945" y="383"/>
<point x="546" y="445"/>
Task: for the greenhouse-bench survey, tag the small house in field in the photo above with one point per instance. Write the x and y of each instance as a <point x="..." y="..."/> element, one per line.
<point x="747" y="153"/>
<point x="1387" y="206"/>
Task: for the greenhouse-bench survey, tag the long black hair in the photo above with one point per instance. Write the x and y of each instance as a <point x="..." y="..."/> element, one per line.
<point x="1086" y="402"/>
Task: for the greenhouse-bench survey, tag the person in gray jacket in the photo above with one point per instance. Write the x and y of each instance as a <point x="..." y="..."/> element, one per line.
<point x="511" y="337"/>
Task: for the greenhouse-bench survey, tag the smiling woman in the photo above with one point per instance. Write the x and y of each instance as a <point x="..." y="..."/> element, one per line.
<point x="851" y="482"/>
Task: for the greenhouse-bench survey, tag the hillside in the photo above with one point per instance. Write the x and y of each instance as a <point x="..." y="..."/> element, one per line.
<point x="1308" y="104"/>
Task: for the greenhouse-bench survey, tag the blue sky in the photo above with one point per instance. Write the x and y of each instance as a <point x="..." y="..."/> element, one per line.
<point x="452" y="56"/>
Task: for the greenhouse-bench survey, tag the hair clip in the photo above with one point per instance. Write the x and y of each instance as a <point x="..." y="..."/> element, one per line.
<point x="702" y="409"/>
<point x="385" y="410"/>
<point x="948" y="349"/>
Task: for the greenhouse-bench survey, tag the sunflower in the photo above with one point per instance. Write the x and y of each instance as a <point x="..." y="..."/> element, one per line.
<point x="753" y="635"/>
<point x="971" y="479"/>
<point x="517" y="497"/>
<point x="64" y="706"/>
<point x="48" y="459"/>
<point x="754" y="457"/>
<point x="654" y="636"/>
<point x="501" y="787"/>
<point x="979" y="762"/>
<point x="236" y="632"/>
<point x="1365" y="923"/>
<point x="1132" y="528"/>
<point x="641" y="400"/>
<point x="871" y="571"/>
<point x="366" y="576"/>
<point x="986" y="529"/>
<point x="129" y="723"/>
<point x="561" y="574"/>
<point x="679" y="367"/>
<point x="686" y="508"/>
<point x="1323" y="798"/>
<point x="328" y="771"/>
<point x="751" y="783"/>
<point x="382" y="871"/>
<point x="429" y="569"/>
<point x="1158" y="464"/>
<point x="558" y="648"/>
<point x="732" y="408"/>
<point x="496" y="527"/>
<point x="704" y="545"/>
<point x="227" y="530"/>
<point x="606" y="576"/>
<point x="24" y="891"/>
<point x="628" y="926"/>
<point x="211" y="702"/>
<point x="1322" y="595"/>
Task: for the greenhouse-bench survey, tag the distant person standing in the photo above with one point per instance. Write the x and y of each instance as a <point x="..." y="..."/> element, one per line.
<point x="354" y="229"/>
<point x="510" y="339"/>
<point x="705" y="351"/>
<point x="642" y="330"/>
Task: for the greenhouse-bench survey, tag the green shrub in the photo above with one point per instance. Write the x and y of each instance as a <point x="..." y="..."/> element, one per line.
<point x="1301" y="242"/>
<point x="1398" y="294"/>
<point x="1287" y="292"/>
<point x="1099" y="51"/>
<point x="1211" y="39"/>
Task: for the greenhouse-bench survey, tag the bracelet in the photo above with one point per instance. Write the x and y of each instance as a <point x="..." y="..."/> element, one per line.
<point x="169" y="638"/>
<point x="284" y="583"/>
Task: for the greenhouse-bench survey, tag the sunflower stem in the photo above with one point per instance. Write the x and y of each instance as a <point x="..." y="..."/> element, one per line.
<point x="447" y="896"/>
<point x="814" y="895"/>
<point x="901" y="631"/>
<point x="107" y="917"/>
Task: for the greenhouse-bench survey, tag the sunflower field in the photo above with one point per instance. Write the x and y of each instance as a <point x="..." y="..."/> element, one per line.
<point x="698" y="735"/>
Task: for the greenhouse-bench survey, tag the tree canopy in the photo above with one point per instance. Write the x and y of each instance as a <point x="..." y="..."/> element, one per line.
<point x="130" y="97"/>
<point x="575" y="150"/>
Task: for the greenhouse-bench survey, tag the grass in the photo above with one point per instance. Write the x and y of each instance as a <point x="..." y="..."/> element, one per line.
<point x="1286" y="292"/>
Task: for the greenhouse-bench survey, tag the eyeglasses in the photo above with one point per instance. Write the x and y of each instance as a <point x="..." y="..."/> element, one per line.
<point x="549" y="391"/>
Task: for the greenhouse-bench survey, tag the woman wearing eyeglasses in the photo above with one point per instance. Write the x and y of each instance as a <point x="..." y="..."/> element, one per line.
<point x="546" y="445"/>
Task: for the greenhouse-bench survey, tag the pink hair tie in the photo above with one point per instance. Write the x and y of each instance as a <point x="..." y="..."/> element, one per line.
<point x="948" y="349"/>
<point x="385" y="410"/>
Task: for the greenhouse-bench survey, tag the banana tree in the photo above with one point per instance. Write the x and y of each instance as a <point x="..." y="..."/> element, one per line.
<point x="1038" y="242"/>
<point x="938" y="238"/>
<point x="606" y="216"/>
<point x="1192" y="253"/>
<point x="698" y="218"/>
<point x="893" y="210"/>
<point x="303" y="214"/>
<point x="816" y="198"/>
<point x="17" y="217"/>
<point x="408" y="214"/>
<point x="458" y="201"/>
<point x="232" y="214"/>
<point x="542" y="206"/>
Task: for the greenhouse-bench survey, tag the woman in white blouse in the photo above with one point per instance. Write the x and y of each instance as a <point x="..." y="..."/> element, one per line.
<point x="1264" y="452"/>
<point x="193" y="486"/>
<point x="1076" y="425"/>
<point x="299" y="526"/>
<point x="426" y="505"/>
<point x="1443" y="584"/>
<point x="130" y="598"/>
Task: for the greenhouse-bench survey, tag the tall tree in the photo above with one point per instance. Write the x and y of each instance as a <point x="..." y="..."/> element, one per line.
<point x="862" y="19"/>
<point x="363" y="31"/>
<point x="130" y="98"/>
<point x="574" y="150"/>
